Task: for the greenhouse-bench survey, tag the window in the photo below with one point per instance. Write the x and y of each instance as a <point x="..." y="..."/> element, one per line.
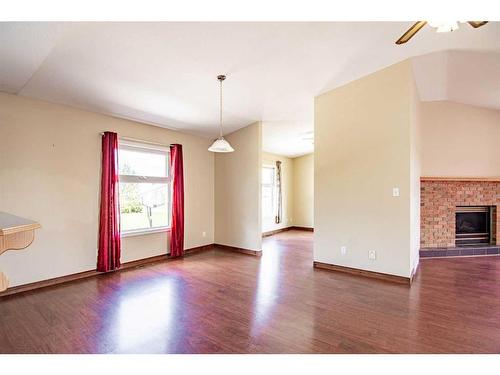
<point x="144" y="188"/>
<point x="268" y="191"/>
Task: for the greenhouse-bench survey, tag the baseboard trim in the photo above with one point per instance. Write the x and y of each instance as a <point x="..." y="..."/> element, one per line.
<point x="90" y="273"/>
<point x="414" y="273"/>
<point x="276" y="231"/>
<point x="307" y="229"/>
<point x="198" y="249"/>
<point x="48" y="282"/>
<point x="238" y="250"/>
<point x="364" y="273"/>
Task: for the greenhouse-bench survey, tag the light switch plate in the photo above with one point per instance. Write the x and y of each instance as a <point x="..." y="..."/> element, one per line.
<point x="395" y="192"/>
<point x="372" y="255"/>
<point x="343" y="250"/>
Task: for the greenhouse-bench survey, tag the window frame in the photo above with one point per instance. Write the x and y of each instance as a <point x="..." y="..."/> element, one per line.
<point x="138" y="146"/>
<point x="273" y="186"/>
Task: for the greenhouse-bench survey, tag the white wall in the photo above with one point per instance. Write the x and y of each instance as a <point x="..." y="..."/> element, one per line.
<point x="238" y="190"/>
<point x="448" y="129"/>
<point x="50" y="172"/>
<point x="303" y="202"/>
<point x="363" y="150"/>
<point x="287" y="186"/>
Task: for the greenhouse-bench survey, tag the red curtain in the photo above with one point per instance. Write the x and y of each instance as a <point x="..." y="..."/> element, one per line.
<point x="177" y="230"/>
<point x="108" y="257"/>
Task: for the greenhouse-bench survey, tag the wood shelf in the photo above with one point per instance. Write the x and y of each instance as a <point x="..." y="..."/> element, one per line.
<point x="16" y="233"/>
<point x="10" y="224"/>
<point x="472" y="179"/>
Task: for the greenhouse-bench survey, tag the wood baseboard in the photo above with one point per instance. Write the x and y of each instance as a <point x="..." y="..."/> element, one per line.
<point x="414" y="273"/>
<point x="198" y="249"/>
<point x="364" y="273"/>
<point x="238" y="250"/>
<point x="307" y="229"/>
<point x="276" y="231"/>
<point x="49" y="282"/>
<point x="90" y="273"/>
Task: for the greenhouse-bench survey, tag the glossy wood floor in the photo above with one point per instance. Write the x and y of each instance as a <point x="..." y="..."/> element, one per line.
<point x="223" y="302"/>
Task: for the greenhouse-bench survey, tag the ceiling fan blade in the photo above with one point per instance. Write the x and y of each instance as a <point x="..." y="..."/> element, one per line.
<point x="411" y="32"/>
<point x="476" y="24"/>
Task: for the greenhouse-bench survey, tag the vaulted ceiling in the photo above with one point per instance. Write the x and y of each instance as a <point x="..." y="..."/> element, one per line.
<point x="165" y="73"/>
<point x="469" y="77"/>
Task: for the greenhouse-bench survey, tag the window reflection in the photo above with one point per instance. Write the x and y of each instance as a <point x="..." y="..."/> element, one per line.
<point x="267" y="292"/>
<point x="146" y="316"/>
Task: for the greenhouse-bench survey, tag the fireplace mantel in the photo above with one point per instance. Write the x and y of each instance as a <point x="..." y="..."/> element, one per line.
<point x="474" y="179"/>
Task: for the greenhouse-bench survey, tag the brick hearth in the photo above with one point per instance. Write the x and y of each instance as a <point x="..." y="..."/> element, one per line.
<point x="438" y="200"/>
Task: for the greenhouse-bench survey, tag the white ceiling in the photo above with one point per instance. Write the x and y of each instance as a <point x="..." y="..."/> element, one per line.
<point x="461" y="76"/>
<point x="165" y="73"/>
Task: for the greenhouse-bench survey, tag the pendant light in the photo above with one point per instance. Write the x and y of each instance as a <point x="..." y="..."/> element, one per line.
<point x="220" y="144"/>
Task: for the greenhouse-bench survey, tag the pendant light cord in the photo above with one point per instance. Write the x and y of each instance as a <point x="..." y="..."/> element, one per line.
<point x="220" y="113"/>
<point x="220" y="144"/>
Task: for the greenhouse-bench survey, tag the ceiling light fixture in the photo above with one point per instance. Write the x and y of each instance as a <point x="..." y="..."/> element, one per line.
<point x="441" y="26"/>
<point x="444" y="26"/>
<point x="220" y="144"/>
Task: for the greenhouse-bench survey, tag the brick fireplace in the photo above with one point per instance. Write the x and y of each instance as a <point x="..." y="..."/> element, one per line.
<point x="442" y="198"/>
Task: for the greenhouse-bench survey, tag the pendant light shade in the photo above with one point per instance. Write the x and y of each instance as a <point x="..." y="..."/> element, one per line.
<point x="220" y="144"/>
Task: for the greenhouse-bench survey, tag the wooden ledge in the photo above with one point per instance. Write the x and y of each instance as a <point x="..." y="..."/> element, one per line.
<point x="465" y="179"/>
<point x="16" y="233"/>
<point x="11" y="224"/>
<point x="364" y="273"/>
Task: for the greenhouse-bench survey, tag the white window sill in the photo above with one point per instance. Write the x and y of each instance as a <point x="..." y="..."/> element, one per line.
<point x="142" y="232"/>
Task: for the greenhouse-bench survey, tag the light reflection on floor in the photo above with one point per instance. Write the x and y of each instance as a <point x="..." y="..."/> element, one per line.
<point x="267" y="292"/>
<point x="144" y="315"/>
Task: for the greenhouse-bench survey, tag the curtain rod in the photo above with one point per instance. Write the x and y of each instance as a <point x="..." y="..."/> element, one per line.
<point x="141" y="141"/>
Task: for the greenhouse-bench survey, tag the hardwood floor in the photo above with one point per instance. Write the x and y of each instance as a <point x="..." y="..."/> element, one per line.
<point x="223" y="302"/>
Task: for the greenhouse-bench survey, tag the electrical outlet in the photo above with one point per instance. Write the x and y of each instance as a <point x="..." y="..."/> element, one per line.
<point x="395" y="192"/>
<point x="343" y="250"/>
<point x="204" y="234"/>
<point x="372" y="254"/>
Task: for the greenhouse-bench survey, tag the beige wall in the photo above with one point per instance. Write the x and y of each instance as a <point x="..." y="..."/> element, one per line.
<point x="303" y="182"/>
<point x="362" y="151"/>
<point x="238" y="190"/>
<point x="287" y="173"/>
<point x="415" y="174"/>
<point x="450" y="128"/>
<point x="50" y="172"/>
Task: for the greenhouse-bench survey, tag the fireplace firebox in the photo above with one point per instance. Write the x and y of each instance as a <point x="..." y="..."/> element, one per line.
<point x="473" y="225"/>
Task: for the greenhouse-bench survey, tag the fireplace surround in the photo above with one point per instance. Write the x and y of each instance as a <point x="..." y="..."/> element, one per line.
<point x="442" y="199"/>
